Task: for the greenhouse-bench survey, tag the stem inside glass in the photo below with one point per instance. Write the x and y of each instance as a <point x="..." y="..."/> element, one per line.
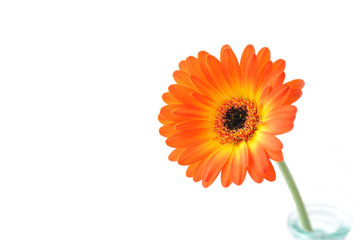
<point x="329" y="223"/>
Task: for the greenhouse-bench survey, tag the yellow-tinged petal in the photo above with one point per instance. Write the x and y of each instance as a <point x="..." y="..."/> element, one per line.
<point x="243" y="154"/>
<point x="215" y="163"/>
<point x="258" y="164"/>
<point x="199" y="150"/>
<point x="246" y="53"/>
<point x="263" y="94"/>
<point x="205" y="87"/>
<point x="268" y="141"/>
<point x="264" y="72"/>
<point x="251" y="72"/>
<point x="276" y="97"/>
<point x="226" y="174"/>
<point x="279" y="120"/>
<point x="238" y="168"/>
<point x="203" y="99"/>
<point x="278" y="126"/>
<point x="231" y="68"/>
<point x="274" y="79"/>
<point x="202" y="57"/>
<point x="216" y="71"/>
<point x="283" y="111"/>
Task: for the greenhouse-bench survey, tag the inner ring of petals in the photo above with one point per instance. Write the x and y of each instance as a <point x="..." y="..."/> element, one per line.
<point x="236" y="121"/>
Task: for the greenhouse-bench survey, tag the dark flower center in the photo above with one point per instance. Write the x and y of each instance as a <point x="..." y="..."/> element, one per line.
<point x="235" y="118"/>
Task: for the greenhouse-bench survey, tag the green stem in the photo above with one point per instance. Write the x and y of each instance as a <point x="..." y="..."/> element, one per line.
<point x="305" y="222"/>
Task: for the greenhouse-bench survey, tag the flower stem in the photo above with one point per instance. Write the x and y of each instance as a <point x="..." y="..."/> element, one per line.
<point x="305" y="222"/>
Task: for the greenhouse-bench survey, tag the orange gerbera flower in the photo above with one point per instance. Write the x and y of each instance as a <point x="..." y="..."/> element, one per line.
<point x="222" y="116"/>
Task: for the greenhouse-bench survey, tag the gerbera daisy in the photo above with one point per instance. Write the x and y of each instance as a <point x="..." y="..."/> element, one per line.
<point x="222" y="116"/>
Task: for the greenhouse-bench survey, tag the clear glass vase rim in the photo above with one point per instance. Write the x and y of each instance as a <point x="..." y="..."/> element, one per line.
<point x="342" y="230"/>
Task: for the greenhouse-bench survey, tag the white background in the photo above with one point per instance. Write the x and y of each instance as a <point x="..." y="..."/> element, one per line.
<point x="80" y="91"/>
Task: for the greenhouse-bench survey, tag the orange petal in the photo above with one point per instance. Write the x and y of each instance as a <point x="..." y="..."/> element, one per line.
<point x="167" y="130"/>
<point x="265" y="71"/>
<point x="183" y="66"/>
<point x="280" y="64"/>
<point x="162" y="119"/>
<point x="277" y="156"/>
<point x="277" y="97"/>
<point x="207" y="184"/>
<point x="166" y="113"/>
<point x="243" y="154"/>
<point x="202" y="57"/>
<point x="246" y="53"/>
<point x="263" y="56"/>
<point x="278" y="126"/>
<point x="216" y="71"/>
<point x="191" y="169"/>
<point x="295" y="94"/>
<point x="251" y="72"/>
<point x="197" y="176"/>
<point x="169" y="108"/>
<point x="238" y="169"/>
<point x="173" y="156"/>
<point x="193" y="124"/>
<point x="196" y="152"/>
<point x="274" y="79"/>
<point x="182" y="94"/>
<point x="269" y="142"/>
<point x="226" y="174"/>
<point x="169" y="99"/>
<point x="203" y="99"/>
<point x="204" y="87"/>
<point x="257" y="177"/>
<point x="186" y="139"/>
<point x="182" y="78"/>
<point x="191" y="112"/>
<point x="270" y="173"/>
<point x="194" y="67"/>
<point x="297" y="83"/>
<point x="257" y="166"/>
<point x="283" y="111"/>
<point x="231" y="67"/>
<point x="263" y="94"/>
<point x="215" y="163"/>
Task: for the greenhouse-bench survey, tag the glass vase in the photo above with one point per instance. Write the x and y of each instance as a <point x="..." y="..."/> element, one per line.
<point x="328" y="223"/>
